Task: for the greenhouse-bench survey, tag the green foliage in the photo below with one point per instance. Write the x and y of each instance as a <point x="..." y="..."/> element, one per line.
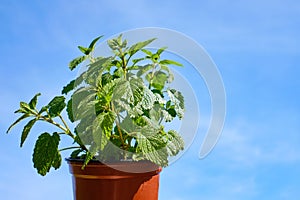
<point x="56" y="105"/>
<point x="139" y="46"/>
<point x="26" y="130"/>
<point x="74" y="63"/>
<point x="118" y="102"/>
<point x="45" y="154"/>
<point x="33" y="101"/>
<point x="68" y="87"/>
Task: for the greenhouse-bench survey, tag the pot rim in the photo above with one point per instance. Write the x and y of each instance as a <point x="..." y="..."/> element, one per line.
<point x="128" y="166"/>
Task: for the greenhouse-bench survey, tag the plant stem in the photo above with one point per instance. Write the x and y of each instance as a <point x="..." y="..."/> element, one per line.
<point x="120" y="131"/>
<point x="68" y="148"/>
<point x="65" y="129"/>
<point x="124" y="64"/>
<point x="66" y="126"/>
<point x="119" y="128"/>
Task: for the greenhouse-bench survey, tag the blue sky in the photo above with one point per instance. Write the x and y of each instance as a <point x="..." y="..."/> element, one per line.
<point x="255" y="45"/>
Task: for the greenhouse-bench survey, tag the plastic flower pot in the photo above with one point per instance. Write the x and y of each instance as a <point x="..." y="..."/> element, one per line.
<point x="117" y="181"/>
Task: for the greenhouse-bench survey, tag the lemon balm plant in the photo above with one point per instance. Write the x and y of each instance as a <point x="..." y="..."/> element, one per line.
<point x="118" y="106"/>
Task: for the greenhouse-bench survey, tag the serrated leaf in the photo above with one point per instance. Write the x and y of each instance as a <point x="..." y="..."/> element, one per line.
<point x="26" y="130"/>
<point x="57" y="160"/>
<point x="75" y="62"/>
<point x="144" y="69"/>
<point x="148" y="99"/>
<point x="175" y="143"/>
<point x="70" y="110"/>
<point x="83" y="103"/>
<point x="124" y="44"/>
<point x="113" y="44"/>
<point x="46" y="153"/>
<point x="167" y="116"/>
<point x="89" y="156"/>
<point x="122" y="88"/>
<point x="68" y="87"/>
<point x="119" y="39"/>
<point x="178" y="100"/>
<point x="170" y="62"/>
<point x="94" y="73"/>
<point x="170" y="74"/>
<point x="155" y="112"/>
<point x="56" y="105"/>
<point x="24" y="116"/>
<point x="106" y="78"/>
<point x="33" y="101"/>
<point x="152" y="148"/>
<point x="138" y="46"/>
<point x="102" y="127"/>
<point x="159" y="80"/>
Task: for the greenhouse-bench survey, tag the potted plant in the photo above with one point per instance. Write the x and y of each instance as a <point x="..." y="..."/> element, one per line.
<point x="118" y="105"/>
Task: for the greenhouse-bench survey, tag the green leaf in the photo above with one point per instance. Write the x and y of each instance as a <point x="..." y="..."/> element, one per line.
<point x="159" y="51"/>
<point x="119" y="39"/>
<point x="159" y="80"/>
<point x="68" y="87"/>
<point x="138" y="46"/>
<point x="167" y="116"/>
<point x="121" y="89"/>
<point x="152" y="147"/>
<point x="149" y="53"/>
<point x="56" y="105"/>
<point x="70" y="110"/>
<point x="24" y="116"/>
<point x="33" y="101"/>
<point x="83" y="103"/>
<point x="170" y="74"/>
<point x="172" y="111"/>
<point x="106" y="78"/>
<point x="113" y="44"/>
<point x="134" y="61"/>
<point x="102" y="127"/>
<point x="178" y="100"/>
<point x="89" y="156"/>
<point x="148" y="99"/>
<point x="56" y="161"/>
<point x="84" y="50"/>
<point x="130" y="91"/>
<point x="144" y="69"/>
<point x="24" y="108"/>
<point x="170" y="62"/>
<point x="46" y="153"/>
<point x="76" y="153"/>
<point x="92" y="45"/>
<point x="175" y="143"/>
<point x="94" y="73"/>
<point x="75" y="62"/>
<point x="26" y="130"/>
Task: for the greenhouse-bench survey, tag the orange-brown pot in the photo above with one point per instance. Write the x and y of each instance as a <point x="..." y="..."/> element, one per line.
<point x="101" y="182"/>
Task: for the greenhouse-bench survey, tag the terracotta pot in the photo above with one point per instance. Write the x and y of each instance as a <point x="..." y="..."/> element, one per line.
<point x="101" y="182"/>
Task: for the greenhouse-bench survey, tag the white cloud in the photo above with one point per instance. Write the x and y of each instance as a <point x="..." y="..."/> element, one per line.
<point x="252" y="145"/>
